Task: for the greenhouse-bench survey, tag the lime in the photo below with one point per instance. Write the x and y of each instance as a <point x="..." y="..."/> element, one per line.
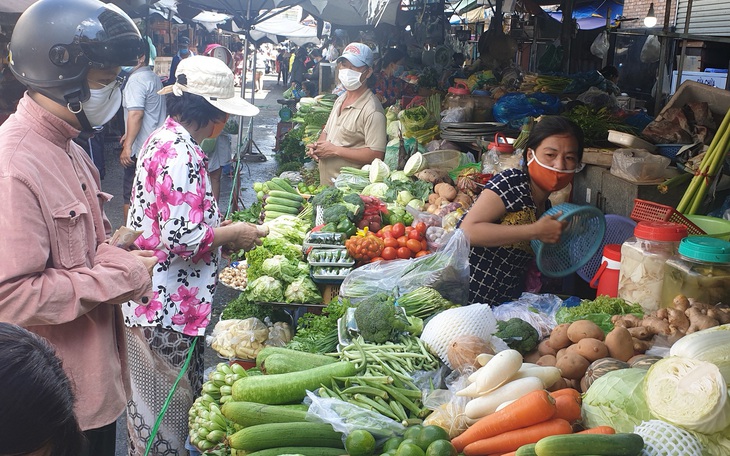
<point x="360" y="443"/>
<point x="441" y="448"/>
<point x="412" y="432"/>
<point x="409" y="449"/>
<point x="430" y="434"/>
<point x="392" y="444"/>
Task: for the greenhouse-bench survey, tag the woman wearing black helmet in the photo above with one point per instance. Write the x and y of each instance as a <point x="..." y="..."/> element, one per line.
<point x="60" y="278"/>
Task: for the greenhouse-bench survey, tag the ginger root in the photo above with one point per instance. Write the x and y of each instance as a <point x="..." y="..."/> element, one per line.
<point x="678" y="321"/>
<point x="640" y="332"/>
<point x="627" y="321"/>
<point x="641" y="346"/>
<point x="720" y="314"/>
<point x="655" y="325"/>
<point x="699" y="321"/>
<point x="681" y="302"/>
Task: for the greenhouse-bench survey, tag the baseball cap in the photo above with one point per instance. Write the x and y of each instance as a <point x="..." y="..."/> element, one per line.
<point x="183" y="41"/>
<point x="211" y="79"/>
<point x="358" y="54"/>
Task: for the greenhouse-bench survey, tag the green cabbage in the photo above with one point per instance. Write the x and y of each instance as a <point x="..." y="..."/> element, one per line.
<point x="616" y="399"/>
<point x="377" y="189"/>
<point x="265" y="289"/>
<point x="302" y="291"/>
<point x="378" y="171"/>
<point x="281" y="268"/>
<point x="711" y="345"/>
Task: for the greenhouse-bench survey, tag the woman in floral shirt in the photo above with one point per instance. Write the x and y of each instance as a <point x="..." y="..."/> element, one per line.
<point x="172" y="204"/>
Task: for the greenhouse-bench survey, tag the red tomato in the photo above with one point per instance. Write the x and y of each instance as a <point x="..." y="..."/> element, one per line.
<point x="404" y="253"/>
<point x="421" y="228"/>
<point x="424" y="244"/>
<point x="377" y="259"/>
<point x="414" y="245"/>
<point x="414" y="234"/>
<point x="409" y="229"/>
<point x="389" y="253"/>
<point x="402" y="241"/>
<point x="391" y="242"/>
<point x="398" y="230"/>
<point x="422" y="253"/>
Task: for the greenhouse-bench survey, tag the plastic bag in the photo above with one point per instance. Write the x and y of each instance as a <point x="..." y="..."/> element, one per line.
<point x="454" y="115"/>
<point x="239" y="338"/>
<point x="598" y="98"/>
<point x="600" y="45"/>
<point x="514" y="108"/>
<point x="448" y="408"/>
<point x="346" y="417"/>
<point x="445" y="270"/>
<point x="638" y="165"/>
<point x="537" y="310"/>
<point x="351" y="183"/>
<point x="651" y="51"/>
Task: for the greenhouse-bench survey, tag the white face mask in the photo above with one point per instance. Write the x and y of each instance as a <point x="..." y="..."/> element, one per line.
<point x="350" y="79"/>
<point x="102" y="104"/>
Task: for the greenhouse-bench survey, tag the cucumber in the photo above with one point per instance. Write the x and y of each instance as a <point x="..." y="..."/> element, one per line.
<point x="303" y="451"/>
<point x="312" y="358"/>
<point x="284" y="184"/>
<point x="286" y="195"/>
<point x="288" y="388"/>
<point x="526" y="450"/>
<point x="594" y="444"/>
<point x="284" y="202"/>
<point x="277" y="435"/>
<point x="271" y="186"/>
<point x="281" y="364"/>
<point x="251" y="413"/>
<point x="279" y="208"/>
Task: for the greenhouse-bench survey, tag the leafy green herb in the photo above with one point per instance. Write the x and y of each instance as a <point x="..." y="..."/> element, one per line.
<point x="251" y="214"/>
<point x="242" y="308"/>
<point x="598" y="311"/>
<point x="595" y="123"/>
<point x="418" y="188"/>
<point x="318" y="333"/>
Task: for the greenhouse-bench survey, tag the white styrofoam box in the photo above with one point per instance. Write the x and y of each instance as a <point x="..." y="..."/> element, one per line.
<point x="711" y="79"/>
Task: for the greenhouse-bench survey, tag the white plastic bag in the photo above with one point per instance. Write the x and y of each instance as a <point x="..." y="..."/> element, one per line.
<point x="600" y="45"/>
<point x="651" y="50"/>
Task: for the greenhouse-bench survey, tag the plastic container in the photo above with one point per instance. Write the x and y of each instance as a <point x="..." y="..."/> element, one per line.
<point x="500" y="155"/>
<point x="713" y="226"/>
<point x="483" y="104"/>
<point x="459" y="96"/>
<point x="627" y="140"/>
<point x="606" y="279"/>
<point x="643" y="258"/>
<point x="700" y="270"/>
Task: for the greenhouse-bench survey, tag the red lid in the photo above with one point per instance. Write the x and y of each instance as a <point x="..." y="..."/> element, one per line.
<point x="660" y="231"/>
<point x="612" y="252"/>
<point x="460" y="89"/>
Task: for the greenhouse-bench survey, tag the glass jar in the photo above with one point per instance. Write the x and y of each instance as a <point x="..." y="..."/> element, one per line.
<point x="700" y="270"/>
<point x="483" y="104"/>
<point x="499" y="155"/>
<point x="641" y="275"/>
<point x="459" y="96"/>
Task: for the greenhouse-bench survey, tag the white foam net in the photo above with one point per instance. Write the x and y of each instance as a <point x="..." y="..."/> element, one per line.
<point x="664" y="439"/>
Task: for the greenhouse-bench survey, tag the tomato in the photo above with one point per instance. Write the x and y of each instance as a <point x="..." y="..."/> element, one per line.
<point x="404" y="253"/>
<point x="422" y="253"/>
<point x="398" y="230"/>
<point x="391" y="242"/>
<point x="414" y="245"/>
<point x="377" y="259"/>
<point x="409" y="229"/>
<point x="421" y="228"/>
<point x="389" y="253"/>
<point x="402" y="241"/>
<point x="414" y="234"/>
<point x="424" y="244"/>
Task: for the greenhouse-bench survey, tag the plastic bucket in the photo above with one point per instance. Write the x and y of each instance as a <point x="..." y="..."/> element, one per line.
<point x="606" y="279"/>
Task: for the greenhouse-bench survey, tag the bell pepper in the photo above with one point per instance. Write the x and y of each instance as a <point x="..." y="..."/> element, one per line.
<point x="347" y="227"/>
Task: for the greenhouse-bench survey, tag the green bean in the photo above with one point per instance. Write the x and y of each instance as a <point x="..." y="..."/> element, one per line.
<point x="385" y="411"/>
<point x="367" y="390"/>
<point x="398" y="409"/>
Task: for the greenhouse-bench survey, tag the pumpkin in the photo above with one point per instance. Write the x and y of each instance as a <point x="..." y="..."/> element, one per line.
<point x="599" y="368"/>
<point x="643" y="361"/>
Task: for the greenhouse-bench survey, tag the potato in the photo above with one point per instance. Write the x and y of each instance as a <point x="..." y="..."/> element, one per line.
<point x="571" y="349"/>
<point x="433" y="197"/>
<point x="591" y="349"/>
<point x="544" y="348"/>
<point x="584" y="328"/>
<point x="532" y="357"/>
<point x="560" y="384"/>
<point x="546" y="360"/>
<point x="560" y="353"/>
<point x="572" y="366"/>
<point x="620" y="344"/>
<point x="559" y="336"/>
<point x="446" y="191"/>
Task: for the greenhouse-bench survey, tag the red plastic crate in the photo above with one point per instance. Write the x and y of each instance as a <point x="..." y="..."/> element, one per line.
<point x="651" y="211"/>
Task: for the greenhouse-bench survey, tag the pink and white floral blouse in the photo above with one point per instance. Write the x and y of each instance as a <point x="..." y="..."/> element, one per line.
<point x="173" y="205"/>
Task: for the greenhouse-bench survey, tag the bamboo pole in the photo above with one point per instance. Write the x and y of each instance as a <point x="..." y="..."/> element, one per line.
<point x="709" y="172"/>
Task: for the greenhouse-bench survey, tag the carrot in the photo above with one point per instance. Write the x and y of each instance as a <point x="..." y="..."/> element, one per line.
<point x="532" y="408"/>
<point x="567" y="392"/>
<point x="567" y="408"/>
<point x="599" y="430"/>
<point x="512" y="440"/>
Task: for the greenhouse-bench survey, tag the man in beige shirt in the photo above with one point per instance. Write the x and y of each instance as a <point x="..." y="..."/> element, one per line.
<point x="355" y="131"/>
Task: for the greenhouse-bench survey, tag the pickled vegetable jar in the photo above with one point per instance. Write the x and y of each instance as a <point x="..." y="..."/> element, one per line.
<point x="459" y="96"/>
<point x="641" y="274"/>
<point x="700" y="270"/>
<point x="483" y="104"/>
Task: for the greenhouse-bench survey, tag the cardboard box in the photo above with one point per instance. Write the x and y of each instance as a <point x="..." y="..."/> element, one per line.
<point x="718" y="100"/>
<point x="691" y="63"/>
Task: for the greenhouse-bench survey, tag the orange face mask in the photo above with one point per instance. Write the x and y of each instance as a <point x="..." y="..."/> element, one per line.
<point x="218" y="127"/>
<point x="548" y="178"/>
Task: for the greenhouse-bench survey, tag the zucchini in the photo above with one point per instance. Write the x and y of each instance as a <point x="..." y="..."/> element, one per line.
<point x="284" y="202"/>
<point x="288" y="388"/>
<point x="284" y="184"/>
<point x="313" y="359"/>
<point x="526" y="450"/>
<point x="303" y="451"/>
<point x="595" y="444"/>
<point x="252" y="413"/>
<point x="281" y="364"/>
<point x="276" y="435"/>
<point x="286" y="195"/>
<point x="271" y="185"/>
<point x="281" y="209"/>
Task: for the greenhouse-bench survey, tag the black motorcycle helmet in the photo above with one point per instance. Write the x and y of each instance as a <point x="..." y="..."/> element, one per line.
<point x="56" y="42"/>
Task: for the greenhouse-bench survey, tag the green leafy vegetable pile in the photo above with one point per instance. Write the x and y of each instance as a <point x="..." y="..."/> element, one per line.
<point x="598" y="311"/>
<point x="318" y="333"/>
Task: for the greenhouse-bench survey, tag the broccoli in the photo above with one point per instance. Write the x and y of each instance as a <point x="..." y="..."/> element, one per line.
<point x="327" y="197"/>
<point x="377" y="320"/>
<point x="518" y="334"/>
<point x="335" y="213"/>
<point x="355" y="205"/>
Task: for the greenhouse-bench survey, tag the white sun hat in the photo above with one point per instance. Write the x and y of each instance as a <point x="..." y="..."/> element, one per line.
<point x="211" y="79"/>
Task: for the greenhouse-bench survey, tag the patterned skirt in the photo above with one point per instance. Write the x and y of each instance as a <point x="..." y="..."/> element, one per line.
<point x="156" y="356"/>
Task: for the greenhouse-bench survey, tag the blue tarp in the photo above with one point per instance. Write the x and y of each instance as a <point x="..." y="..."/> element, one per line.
<point x="593" y="15"/>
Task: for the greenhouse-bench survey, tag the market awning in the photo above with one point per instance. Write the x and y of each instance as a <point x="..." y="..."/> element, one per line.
<point x="593" y="15"/>
<point x="15" y="6"/>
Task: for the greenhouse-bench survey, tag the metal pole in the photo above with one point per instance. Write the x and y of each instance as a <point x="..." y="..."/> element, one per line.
<point x="659" y="98"/>
<point x="683" y="54"/>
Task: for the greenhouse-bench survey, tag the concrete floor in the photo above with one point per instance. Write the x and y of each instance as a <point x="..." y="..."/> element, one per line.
<point x="264" y="131"/>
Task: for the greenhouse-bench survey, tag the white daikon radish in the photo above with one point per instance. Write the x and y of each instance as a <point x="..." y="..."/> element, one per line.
<point x="498" y="370"/>
<point x="487" y="404"/>
<point x="548" y="374"/>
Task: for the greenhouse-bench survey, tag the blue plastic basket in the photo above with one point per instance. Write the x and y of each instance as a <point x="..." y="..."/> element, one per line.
<point x="580" y="240"/>
<point x="669" y="150"/>
<point x="618" y="229"/>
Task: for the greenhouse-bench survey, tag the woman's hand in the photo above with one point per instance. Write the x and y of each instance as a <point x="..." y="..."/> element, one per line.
<point x="548" y="229"/>
<point x="147" y="257"/>
<point x="246" y="236"/>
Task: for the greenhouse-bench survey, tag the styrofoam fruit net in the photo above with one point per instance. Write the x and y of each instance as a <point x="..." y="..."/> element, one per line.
<point x="474" y="320"/>
<point x="664" y="439"/>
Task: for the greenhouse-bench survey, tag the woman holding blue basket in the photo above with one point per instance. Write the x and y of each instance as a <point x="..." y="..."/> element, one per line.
<point x="507" y="214"/>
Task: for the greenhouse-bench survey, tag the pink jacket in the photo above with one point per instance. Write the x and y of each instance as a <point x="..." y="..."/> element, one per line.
<point x="57" y="277"/>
